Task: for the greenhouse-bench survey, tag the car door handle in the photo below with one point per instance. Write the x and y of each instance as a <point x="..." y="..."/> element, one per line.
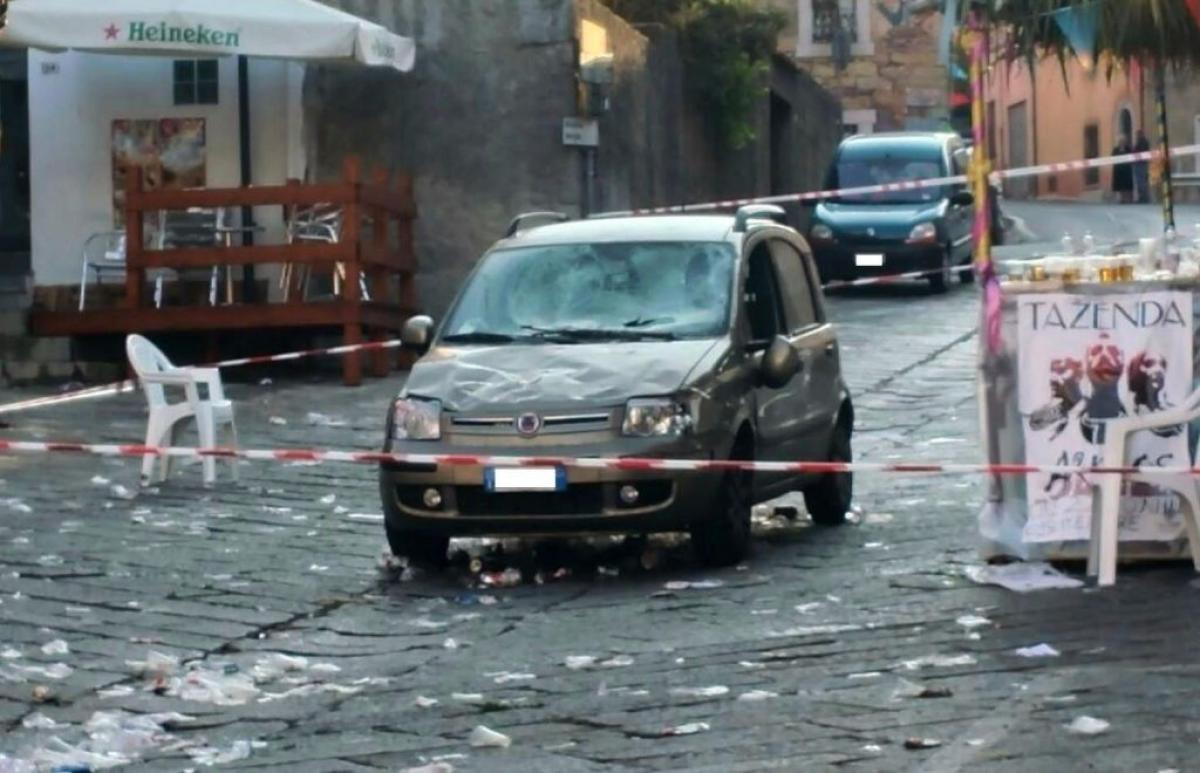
<point x="830" y="350"/>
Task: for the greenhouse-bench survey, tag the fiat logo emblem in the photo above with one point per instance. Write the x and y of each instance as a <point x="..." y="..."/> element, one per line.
<point x="870" y="232"/>
<point x="528" y="424"/>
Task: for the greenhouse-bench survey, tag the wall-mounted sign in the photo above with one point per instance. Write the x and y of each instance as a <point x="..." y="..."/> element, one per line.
<point x="581" y="132"/>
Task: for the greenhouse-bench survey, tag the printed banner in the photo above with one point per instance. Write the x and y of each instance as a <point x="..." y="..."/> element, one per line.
<point x="1085" y="359"/>
<point x="172" y="153"/>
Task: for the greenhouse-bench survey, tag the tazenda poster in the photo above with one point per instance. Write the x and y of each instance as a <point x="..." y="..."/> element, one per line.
<point x="171" y="152"/>
<point x="1085" y="359"/>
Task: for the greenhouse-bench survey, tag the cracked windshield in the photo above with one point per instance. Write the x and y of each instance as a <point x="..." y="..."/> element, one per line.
<point x="652" y="289"/>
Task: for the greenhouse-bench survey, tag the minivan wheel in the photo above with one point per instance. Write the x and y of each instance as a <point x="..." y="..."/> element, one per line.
<point x="939" y="282"/>
<point x="829" y="499"/>
<point x="723" y="538"/>
<point x="420" y="548"/>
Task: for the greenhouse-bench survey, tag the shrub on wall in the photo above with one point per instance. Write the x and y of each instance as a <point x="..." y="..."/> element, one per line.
<point x="727" y="47"/>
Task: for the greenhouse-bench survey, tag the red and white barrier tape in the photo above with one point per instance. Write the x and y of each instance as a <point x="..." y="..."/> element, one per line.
<point x="582" y="463"/>
<point x="120" y="387"/>
<point x="911" y="185"/>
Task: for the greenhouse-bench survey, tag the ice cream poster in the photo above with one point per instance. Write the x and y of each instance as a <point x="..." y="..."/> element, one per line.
<point x="1085" y="359"/>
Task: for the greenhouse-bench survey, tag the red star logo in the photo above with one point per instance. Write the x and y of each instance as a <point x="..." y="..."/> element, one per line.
<point x="110" y="32"/>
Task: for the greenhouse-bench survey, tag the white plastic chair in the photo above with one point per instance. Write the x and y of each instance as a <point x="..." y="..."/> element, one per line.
<point x="1106" y="502"/>
<point x="209" y="408"/>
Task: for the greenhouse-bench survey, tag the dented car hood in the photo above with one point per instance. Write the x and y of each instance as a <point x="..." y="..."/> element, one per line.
<point x="473" y="378"/>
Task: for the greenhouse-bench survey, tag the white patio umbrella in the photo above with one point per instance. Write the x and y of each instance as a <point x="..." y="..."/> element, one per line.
<point x="283" y="29"/>
<point x="303" y="30"/>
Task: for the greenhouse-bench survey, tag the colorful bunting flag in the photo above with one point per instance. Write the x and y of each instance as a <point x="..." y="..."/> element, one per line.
<point x="1078" y="25"/>
<point x="1194" y="7"/>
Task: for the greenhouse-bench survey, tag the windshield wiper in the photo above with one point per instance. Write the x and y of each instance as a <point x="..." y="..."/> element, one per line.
<point x="479" y="337"/>
<point x="644" y="321"/>
<point x="599" y="334"/>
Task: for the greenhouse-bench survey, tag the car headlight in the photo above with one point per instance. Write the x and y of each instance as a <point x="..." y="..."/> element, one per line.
<point x="414" y="419"/>
<point x="822" y="232"/>
<point x="655" y="417"/>
<point x="923" y="232"/>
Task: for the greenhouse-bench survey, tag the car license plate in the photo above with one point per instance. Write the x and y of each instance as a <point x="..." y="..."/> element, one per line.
<point x="869" y="260"/>
<point x="525" y="479"/>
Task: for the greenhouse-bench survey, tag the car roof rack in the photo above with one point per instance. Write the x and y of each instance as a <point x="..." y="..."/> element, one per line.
<point x="757" y="212"/>
<point x="519" y="221"/>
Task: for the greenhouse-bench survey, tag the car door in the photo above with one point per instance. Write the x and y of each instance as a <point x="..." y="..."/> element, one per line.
<point x="815" y="341"/>
<point x="960" y="219"/>
<point x="780" y="414"/>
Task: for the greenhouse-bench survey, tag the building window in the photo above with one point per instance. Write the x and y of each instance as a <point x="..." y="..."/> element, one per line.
<point x="818" y="20"/>
<point x="827" y="15"/>
<point x="1091" y="149"/>
<point x="858" y="122"/>
<point x="196" y="82"/>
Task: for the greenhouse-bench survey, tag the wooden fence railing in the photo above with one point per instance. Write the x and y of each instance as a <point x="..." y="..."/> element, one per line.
<point x="367" y="243"/>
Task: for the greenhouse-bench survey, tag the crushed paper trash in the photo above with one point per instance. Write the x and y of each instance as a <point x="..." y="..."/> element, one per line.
<point x="278" y="421"/>
<point x="509" y="676"/>
<point x="939" y="661"/>
<point x="1085" y="725"/>
<point x="210" y="755"/>
<point x="433" y="767"/>
<point x="691" y="728"/>
<point x="38" y="721"/>
<point x="422" y="702"/>
<point x="751" y="696"/>
<point x="483" y="736"/>
<point x="972" y="621"/>
<point x="329" y="499"/>
<point x="56" y="647"/>
<point x="1021" y="577"/>
<point x="321" y="420"/>
<point x="700" y="692"/>
<point x="693" y="585"/>
<point x="1038" y="651"/>
<point x="921" y="743"/>
<point x="467" y="697"/>
<point x="579" y="662"/>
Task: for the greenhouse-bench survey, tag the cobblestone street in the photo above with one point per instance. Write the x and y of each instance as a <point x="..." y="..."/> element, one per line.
<point x="829" y="648"/>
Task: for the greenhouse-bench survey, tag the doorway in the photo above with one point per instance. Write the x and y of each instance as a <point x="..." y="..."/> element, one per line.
<point x="781" y="145"/>
<point x="1018" y="150"/>
<point x="14" y="164"/>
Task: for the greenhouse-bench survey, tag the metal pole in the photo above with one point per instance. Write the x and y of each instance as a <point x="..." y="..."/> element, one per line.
<point x="1160" y="98"/>
<point x="247" y="171"/>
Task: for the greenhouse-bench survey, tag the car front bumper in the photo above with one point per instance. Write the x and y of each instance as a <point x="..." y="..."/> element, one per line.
<point x="837" y="261"/>
<point x="590" y="502"/>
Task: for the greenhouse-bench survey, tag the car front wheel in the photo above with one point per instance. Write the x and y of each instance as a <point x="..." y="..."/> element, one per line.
<point x="723" y="538"/>
<point x="829" y="499"/>
<point x="420" y="548"/>
<point x="939" y="281"/>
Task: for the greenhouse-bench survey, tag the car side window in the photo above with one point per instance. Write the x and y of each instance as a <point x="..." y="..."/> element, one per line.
<point x="764" y="309"/>
<point x="800" y="309"/>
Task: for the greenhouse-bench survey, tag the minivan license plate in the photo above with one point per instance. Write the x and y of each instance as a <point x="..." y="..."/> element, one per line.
<point x="525" y="479"/>
<point x="870" y="260"/>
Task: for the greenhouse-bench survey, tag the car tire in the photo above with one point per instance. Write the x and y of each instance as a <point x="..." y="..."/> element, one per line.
<point x="723" y="538"/>
<point x="939" y="282"/>
<point x="420" y="548"/>
<point x="829" y="499"/>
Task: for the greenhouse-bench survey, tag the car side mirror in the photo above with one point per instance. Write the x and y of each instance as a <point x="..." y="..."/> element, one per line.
<point x="417" y="333"/>
<point x="780" y="363"/>
<point x="962" y="198"/>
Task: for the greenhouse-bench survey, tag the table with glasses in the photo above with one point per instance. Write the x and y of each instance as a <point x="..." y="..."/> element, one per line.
<point x="1027" y="407"/>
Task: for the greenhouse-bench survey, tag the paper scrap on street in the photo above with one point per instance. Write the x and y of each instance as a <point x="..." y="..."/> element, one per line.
<point x="1022" y="577"/>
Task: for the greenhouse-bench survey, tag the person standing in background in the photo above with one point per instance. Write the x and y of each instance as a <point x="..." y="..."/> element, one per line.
<point x="1122" y="175"/>
<point x="1141" y="170"/>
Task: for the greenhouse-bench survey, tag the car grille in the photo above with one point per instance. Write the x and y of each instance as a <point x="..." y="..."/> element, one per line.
<point x="551" y="423"/>
<point x="579" y="499"/>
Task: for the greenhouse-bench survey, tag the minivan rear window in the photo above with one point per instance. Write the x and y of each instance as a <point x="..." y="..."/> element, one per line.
<point x="863" y="164"/>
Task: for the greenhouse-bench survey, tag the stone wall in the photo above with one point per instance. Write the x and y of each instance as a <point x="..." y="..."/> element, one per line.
<point x="479" y="124"/>
<point x="902" y="81"/>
